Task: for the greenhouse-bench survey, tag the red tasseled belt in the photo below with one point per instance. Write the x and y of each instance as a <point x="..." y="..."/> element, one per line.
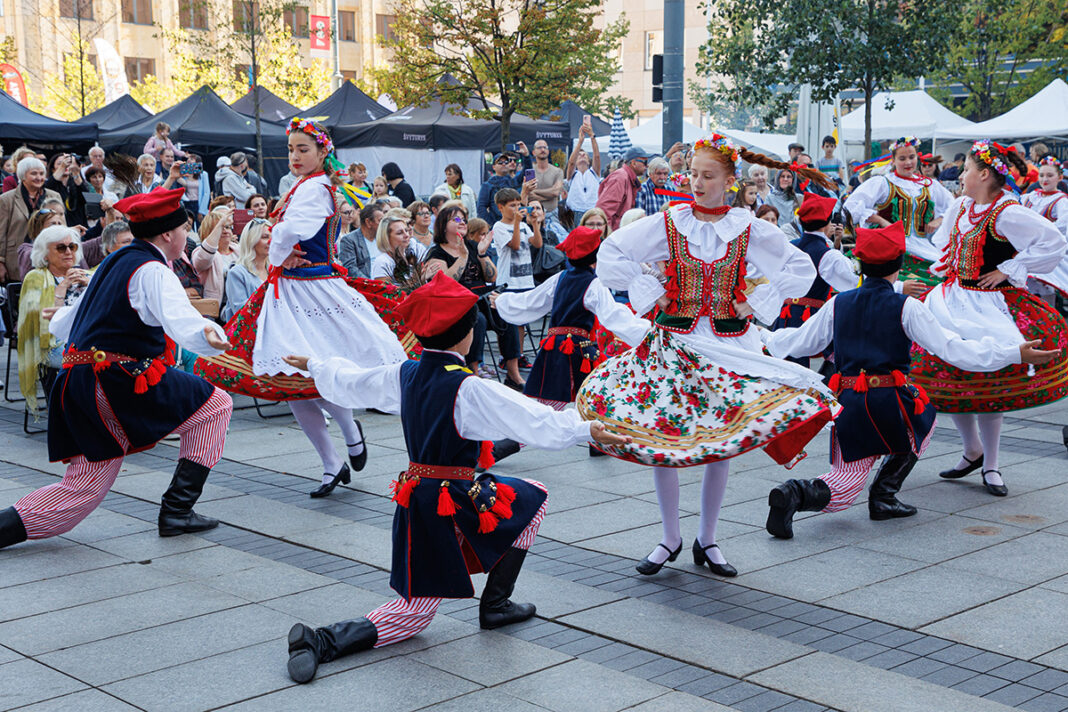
<point x="145" y="371"/>
<point x="861" y="383"/>
<point x="805" y="302"/>
<point x="440" y="472"/>
<point x="565" y="330"/>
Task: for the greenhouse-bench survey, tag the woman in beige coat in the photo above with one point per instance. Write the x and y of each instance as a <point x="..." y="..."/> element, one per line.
<point x="15" y="208"/>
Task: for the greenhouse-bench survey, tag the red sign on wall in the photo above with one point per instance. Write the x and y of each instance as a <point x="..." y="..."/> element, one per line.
<point x="13" y="84"/>
<point x="319" y="36"/>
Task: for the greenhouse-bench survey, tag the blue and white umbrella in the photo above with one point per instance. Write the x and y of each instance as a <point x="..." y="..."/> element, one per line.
<point x="619" y="139"/>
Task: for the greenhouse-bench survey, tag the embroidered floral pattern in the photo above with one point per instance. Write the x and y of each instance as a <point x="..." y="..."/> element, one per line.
<point x="698" y="288"/>
<point x="964" y="253"/>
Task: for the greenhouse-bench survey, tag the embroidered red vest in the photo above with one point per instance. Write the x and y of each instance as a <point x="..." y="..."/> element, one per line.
<point x="977" y="251"/>
<point x="913" y="212"/>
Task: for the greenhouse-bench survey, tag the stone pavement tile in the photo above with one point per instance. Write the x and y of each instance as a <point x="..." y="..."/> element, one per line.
<point x="394" y="685"/>
<point x="29" y="599"/>
<point x="102" y="524"/>
<point x="54" y="560"/>
<point x="269" y="517"/>
<point x="114" y="616"/>
<point x="6" y="484"/>
<point x="855" y="687"/>
<point x="829" y="573"/>
<point x="679" y="702"/>
<point x="599" y="519"/>
<point x="556" y="597"/>
<point x="706" y="643"/>
<point x="908" y="601"/>
<point x="1048" y="680"/>
<point x="262" y="583"/>
<point x="1047" y="702"/>
<point x="1023" y="625"/>
<point x="144" y="651"/>
<point x="83" y="701"/>
<point x="566" y="497"/>
<point x="889" y="659"/>
<point x="1057" y="584"/>
<point x="1034" y="558"/>
<point x="28" y="681"/>
<point x="980" y="685"/>
<point x="490" y="700"/>
<point x="149" y="544"/>
<point x="1014" y="694"/>
<point x="150" y="486"/>
<point x="949" y="676"/>
<point x="985" y="662"/>
<point x="323" y="606"/>
<point x="206" y="563"/>
<point x="1016" y="670"/>
<point x="951" y="533"/>
<point x="1033" y="510"/>
<point x="581" y="685"/>
<point x="7" y="655"/>
<point x="352" y="540"/>
<point x="950" y="496"/>
<point x="489" y="658"/>
<point x="1055" y="658"/>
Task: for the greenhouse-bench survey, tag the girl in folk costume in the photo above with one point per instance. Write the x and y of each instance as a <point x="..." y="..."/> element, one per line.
<point x="991" y="244"/>
<point x="698" y="389"/>
<point x="903" y="194"/>
<point x="449" y="523"/>
<point x="1051" y="204"/>
<point x="308" y="305"/>
<point x="873" y="328"/>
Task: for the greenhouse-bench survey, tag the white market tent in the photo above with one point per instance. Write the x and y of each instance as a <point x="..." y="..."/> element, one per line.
<point x="1044" y="114"/>
<point x="650" y="134"/>
<point x="913" y="113"/>
<point x="772" y="144"/>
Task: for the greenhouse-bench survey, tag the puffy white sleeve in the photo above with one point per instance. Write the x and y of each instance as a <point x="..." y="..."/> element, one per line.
<point x="941" y="237"/>
<point x="62" y="321"/>
<point x="984" y="355"/>
<point x="941" y="196"/>
<point x="620" y="258"/>
<point x="524" y="307"/>
<point x="789" y="271"/>
<point x="615" y="317"/>
<point x="350" y="386"/>
<point x="1040" y="246"/>
<point x="862" y="201"/>
<point x="837" y="270"/>
<point x="488" y="410"/>
<point x="812" y="337"/>
<point x="1060" y="215"/>
<point x="159" y="299"/>
<point x="310" y="206"/>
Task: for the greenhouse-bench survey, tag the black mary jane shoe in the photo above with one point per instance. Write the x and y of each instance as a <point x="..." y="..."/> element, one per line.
<point x="996" y="490"/>
<point x="359" y="461"/>
<point x="701" y="558"/>
<point x="955" y="474"/>
<point x="646" y="567"/>
<point x="343" y="476"/>
<point x="514" y="385"/>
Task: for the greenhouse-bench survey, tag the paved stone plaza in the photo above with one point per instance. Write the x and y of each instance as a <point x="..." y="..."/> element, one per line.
<point x="963" y="607"/>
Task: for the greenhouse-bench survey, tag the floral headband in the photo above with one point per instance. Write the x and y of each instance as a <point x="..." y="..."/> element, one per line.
<point x="904" y="141"/>
<point x="990" y="153"/>
<point x="1051" y="160"/>
<point x="322" y="138"/>
<point x="719" y="143"/>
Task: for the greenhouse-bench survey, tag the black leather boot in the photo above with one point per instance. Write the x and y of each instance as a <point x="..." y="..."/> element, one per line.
<point x="791" y="497"/>
<point x="882" y="502"/>
<point x="496" y="609"/>
<point x="308" y="648"/>
<point x="176" y="515"/>
<point x="12" y="530"/>
<point x="504" y="448"/>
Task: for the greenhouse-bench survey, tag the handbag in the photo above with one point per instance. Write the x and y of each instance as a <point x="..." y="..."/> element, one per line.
<point x="546" y="261"/>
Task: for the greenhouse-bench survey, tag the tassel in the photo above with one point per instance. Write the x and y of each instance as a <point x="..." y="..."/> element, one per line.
<point x="568" y="347"/>
<point x="99" y="366"/>
<point x="486" y="521"/>
<point x="141" y="384"/>
<point x="807" y="314"/>
<point x="404" y="492"/>
<point x="861" y="384"/>
<point x="485" y="455"/>
<point x="505" y="493"/>
<point x="899" y="378"/>
<point x="918" y="406"/>
<point x="446" y="504"/>
<point x="502" y="509"/>
<point x="170" y="352"/>
<point x="785" y="313"/>
<point x="550" y="343"/>
<point x="586" y="366"/>
<point x="155" y="372"/>
<point x="835" y="384"/>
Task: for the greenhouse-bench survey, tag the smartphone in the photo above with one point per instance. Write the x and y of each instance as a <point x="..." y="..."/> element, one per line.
<point x="511" y="147"/>
<point x="528" y="174"/>
<point x="587" y="120"/>
<point x="241" y="218"/>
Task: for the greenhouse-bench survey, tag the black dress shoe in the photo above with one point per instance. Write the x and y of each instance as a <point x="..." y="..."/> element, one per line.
<point x="594" y="452"/>
<point x="359" y="461"/>
<point x="650" y="568"/>
<point x="326" y="488"/>
<point x="996" y="490"/>
<point x="701" y="558"/>
<point x="1064" y="435"/>
<point x="514" y="385"/>
<point x="953" y="473"/>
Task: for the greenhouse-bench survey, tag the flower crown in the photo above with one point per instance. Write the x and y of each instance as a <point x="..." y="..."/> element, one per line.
<point x="904" y="141"/>
<point x="1051" y="160"/>
<point x="322" y="138"/>
<point x="719" y="143"/>
<point x="990" y="153"/>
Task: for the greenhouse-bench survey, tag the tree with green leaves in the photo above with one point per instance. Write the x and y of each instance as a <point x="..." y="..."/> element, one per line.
<point x="506" y="56"/>
<point x="77" y="92"/>
<point x="994" y="41"/>
<point x="759" y="52"/>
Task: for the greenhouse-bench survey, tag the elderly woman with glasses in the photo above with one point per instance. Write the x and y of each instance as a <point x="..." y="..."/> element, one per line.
<point x="16" y="206"/>
<point x="55" y="281"/>
<point x="422" y="223"/>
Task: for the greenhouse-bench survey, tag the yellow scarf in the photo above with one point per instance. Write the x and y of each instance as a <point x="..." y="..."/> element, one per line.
<point x="35" y="341"/>
<point x="455" y="191"/>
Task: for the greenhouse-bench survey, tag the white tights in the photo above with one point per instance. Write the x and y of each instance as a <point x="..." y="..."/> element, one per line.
<point x="981" y="435"/>
<point x="309" y="416"/>
<point x="713" y="488"/>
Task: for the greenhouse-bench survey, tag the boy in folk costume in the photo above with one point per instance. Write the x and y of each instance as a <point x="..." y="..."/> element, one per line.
<point x="448" y="523"/>
<point x="117" y="395"/>
<point x="883" y="413"/>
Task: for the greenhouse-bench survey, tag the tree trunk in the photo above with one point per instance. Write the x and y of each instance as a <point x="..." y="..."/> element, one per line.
<point x="506" y="127"/>
<point x="868" y="93"/>
<point x="255" y="93"/>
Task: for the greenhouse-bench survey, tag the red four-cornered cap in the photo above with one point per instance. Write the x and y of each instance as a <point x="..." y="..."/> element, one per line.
<point x="816" y="208"/>
<point x="433" y="308"/>
<point x="580" y="242"/>
<point x="880" y="245"/>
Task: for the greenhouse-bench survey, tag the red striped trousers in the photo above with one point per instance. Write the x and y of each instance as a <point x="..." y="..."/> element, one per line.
<point x="846" y="480"/>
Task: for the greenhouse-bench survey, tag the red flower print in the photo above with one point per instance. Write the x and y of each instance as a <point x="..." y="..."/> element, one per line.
<point x="645" y="391"/>
<point x="693" y="399"/>
<point x="731" y="413"/>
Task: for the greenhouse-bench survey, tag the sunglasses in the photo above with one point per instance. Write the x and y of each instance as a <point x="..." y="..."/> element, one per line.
<point x="66" y="247"/>
<point x="460" y="220"/>
<point x="45" y="211"/>
<point x="258" y="221"/>
<point x="423" y="213"/>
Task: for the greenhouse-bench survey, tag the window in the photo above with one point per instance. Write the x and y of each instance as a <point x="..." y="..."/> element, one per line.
<point x="137" y="68"/>
<point x="244" y="13"/>
<point x="349" y="75"/>
<point x="654" y="44"/>
<point x="85" y="9"/>
<point x="192" y="14"/>
<point x="138" y="12"/>
<point x="384" y="27"/>
<point x="296" y="19"/>
<point x="346" y="25"/>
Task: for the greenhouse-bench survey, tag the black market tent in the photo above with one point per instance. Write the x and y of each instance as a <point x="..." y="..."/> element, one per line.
<point x="121" y="112"/>
<point x="21" y="125"/>
<point x="272" y="107"/>
<point x="345" y="107"/>
<point x="571" y="114"/>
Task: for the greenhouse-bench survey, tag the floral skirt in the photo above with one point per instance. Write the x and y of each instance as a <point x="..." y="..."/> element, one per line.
<point x="681" y="409"/>
<point x="233" y="371"/>
<point x="953" y="390"/>
<point x="914" y="267"/>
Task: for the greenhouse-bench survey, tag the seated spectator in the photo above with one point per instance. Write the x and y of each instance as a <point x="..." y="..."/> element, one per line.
<point x="348" y="217"/>
<point x="147" y="180"/>
<point x="16" y="206"/>
<point x="596" y="218"/>
<point x="659" y="171"/>
<point x="358" y="249"/>
<point x="400" y="255"/>
<point x="160" y="140"/>
<point x="55" y="281"/>
<point x="746" y="196"/>
<point x="65" y="177"/>
<point x="422" y="223"/>
<point x="630" y="216"/>
<point x="768" y="213"/>
<point x="379" y="189"/>
<point x="358" y="176"/>
<point x="398" y="187"/>
<point x="11" y="179"/>
<point x="234" y="182"/>
<point x="45" y="217"/>
<point x="454" y="188"/>
<point x="97" y="180"/>
<point x="223" y="201"/>
<point x="258" y="205"/>
<point x="215" y="253"/>
<point x="250" y="269"/>
<point x="115" y="236"/>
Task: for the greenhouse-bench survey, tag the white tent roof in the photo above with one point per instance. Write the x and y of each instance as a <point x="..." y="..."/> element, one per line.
<point x="649" y="135"/>
<point x="770" y="143"/>
<point x="1044" y="114"/>
<point x="914" y="113"/>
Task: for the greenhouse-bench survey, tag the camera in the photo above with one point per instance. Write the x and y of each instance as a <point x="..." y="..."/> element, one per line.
<point x="511" y="147"/>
